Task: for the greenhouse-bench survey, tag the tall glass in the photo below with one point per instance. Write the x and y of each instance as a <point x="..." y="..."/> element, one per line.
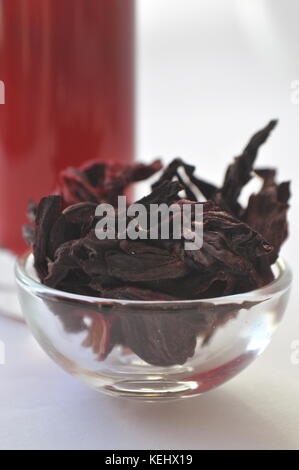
<point x="68" y="71"/>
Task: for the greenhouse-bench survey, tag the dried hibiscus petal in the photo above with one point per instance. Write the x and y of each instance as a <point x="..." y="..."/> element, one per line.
<point x="48" y="211"/>
<point x="75" y="222"/>
<point x="133" y="292"/>
<point x="100" y="182"/>
<point x="103" y="334"/>
<point x="165" y="337"/>
<point x="146" y="263"/>
<point x="267" y="211"/>
<point x="239" y="173"/>
<point x="160" y="339"/>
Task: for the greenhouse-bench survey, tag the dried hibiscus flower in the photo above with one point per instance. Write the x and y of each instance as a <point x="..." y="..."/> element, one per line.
<point x="100" y="182"/>
<point x="240" y="244"/>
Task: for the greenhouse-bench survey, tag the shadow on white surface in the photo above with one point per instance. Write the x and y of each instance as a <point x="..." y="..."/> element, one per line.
<point x="218" y="420"/>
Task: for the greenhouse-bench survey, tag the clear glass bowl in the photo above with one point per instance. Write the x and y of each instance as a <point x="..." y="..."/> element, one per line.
<point x="152" y="350"/>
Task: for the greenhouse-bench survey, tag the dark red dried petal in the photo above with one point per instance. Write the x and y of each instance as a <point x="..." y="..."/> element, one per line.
<point x="101" y="182"/>
<point x="267" y="211"/>
<point x="239" y="173"/>
<point x="103" y="334"/>
<point x="159" y="339"/>
<point x="142" y="262"/>
<point x="131" y="292"/>
<point x="48" y="211"/>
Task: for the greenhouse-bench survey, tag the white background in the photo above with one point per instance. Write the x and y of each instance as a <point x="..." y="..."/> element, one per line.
<point x="210" y="73"/>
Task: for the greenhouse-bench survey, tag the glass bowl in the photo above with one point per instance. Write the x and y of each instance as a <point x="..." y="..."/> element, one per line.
<point x="152" y="350"/>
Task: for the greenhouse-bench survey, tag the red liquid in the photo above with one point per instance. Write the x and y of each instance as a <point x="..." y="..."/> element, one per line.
<point x="67" y="66"/>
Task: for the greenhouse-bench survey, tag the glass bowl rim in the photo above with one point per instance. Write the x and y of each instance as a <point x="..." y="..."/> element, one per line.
<point x="280" y="284"/>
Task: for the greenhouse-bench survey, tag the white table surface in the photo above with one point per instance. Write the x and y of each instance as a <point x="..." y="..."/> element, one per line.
<point x="206" y="82"/>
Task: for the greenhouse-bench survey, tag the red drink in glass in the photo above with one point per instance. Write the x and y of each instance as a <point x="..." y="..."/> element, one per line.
<point x="67" y="67"/>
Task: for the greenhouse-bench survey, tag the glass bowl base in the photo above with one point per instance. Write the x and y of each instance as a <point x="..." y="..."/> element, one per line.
<point x="162" y="384"/>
